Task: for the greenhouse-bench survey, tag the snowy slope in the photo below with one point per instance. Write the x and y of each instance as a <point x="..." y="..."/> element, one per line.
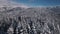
<point x="34" y="20"/>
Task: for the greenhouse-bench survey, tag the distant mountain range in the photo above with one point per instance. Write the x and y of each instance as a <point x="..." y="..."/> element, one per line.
<point x="32" y="20"/>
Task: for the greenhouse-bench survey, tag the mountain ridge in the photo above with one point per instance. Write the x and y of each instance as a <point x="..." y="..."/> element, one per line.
<point x="33" y="20"/>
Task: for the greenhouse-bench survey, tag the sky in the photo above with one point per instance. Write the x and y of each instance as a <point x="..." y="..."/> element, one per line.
<point x="29" y="3"/>
<point x="10" y="3"/>
<point x="38" y="2"/>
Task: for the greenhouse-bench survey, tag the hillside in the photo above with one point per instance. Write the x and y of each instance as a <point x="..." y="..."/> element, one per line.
<point x="33" y="20"/>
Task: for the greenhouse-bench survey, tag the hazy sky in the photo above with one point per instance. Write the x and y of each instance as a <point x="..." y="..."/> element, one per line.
<point x="38" y="2"/>
<point x="29" y="3"/>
